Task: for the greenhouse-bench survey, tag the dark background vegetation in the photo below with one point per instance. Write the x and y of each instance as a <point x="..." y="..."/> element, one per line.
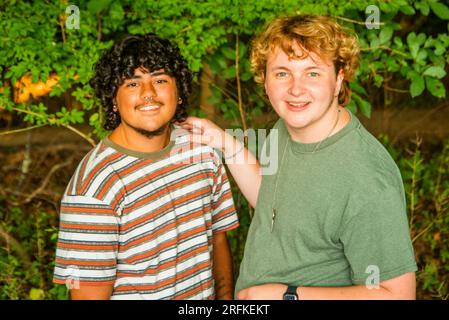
<point x="399" y="93"/>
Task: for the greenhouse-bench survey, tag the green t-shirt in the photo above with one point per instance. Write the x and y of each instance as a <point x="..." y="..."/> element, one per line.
<point x="341" y="215"/>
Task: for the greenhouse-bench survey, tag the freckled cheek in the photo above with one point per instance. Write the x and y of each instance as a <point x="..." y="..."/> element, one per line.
<point x="321" y="88"/>
<point x="276" y="90"/>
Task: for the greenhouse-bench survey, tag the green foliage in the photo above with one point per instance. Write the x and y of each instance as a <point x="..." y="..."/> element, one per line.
<point x="426" y="181"/>
<point x="27" y="259"/>
<point x="34" y="40"/>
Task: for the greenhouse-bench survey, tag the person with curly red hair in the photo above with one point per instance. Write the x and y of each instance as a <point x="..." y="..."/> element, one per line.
<point x="331" y="221"/>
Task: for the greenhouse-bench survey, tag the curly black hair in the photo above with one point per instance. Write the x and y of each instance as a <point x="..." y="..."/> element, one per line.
<point x="119" y="63"/>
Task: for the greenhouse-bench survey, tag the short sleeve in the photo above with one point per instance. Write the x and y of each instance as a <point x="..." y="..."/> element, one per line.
<point x="377" y="239"/>
<point x="224" y="215"/>
<point x="87" y="242"/>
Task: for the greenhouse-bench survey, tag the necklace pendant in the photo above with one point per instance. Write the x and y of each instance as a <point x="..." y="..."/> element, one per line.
<point x="273" y="217"/>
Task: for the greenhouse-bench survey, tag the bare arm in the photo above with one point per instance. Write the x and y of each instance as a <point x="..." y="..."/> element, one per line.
<point x="102" y="292"/>
<point x="222" y="270"/>
<point x="399" y="288"/>
<point x="242" y="164"/>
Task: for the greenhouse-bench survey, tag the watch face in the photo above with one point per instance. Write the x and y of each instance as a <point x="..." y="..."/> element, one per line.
<point x="289" y="296"/>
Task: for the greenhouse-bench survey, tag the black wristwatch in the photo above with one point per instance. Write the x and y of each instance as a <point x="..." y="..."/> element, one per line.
<point x="291" y="294"/>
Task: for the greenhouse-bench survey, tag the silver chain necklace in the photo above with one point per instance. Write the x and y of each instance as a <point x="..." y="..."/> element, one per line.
<point x="273" y="209"/>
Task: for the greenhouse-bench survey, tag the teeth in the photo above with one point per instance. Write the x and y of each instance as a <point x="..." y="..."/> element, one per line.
<point x="301" y="104"/>
<point x="149" y="108"/>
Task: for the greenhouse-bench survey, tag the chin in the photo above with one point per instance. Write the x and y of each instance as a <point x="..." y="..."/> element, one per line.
<point x="295" y="121"/>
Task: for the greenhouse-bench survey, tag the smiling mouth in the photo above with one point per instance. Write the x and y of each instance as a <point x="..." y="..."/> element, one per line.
<point x="298" y="105"/>
<point x="149" y="108"/>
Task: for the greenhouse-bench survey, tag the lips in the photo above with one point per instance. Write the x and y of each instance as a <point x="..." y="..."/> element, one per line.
<point x="297" y="105"/>
<point x="149" y="108"/>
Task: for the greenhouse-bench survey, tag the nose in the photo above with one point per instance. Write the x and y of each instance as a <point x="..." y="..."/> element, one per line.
<point x="148" y="92"/>
<point x="297" y="87"/>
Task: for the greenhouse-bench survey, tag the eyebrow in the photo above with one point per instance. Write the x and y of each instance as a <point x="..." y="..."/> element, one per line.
<point x="280" y="68"/>
<point x="306" y="69"/>
<point x="159" y="73"/>
<point x="153" y="74"/>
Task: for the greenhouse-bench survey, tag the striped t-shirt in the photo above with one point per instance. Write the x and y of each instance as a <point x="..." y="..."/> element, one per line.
<point x="144" y="222"/>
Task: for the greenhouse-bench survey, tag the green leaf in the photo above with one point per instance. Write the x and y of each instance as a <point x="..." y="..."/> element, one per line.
<point x="417" y="84"/>
<point x="435" y="71"/>
<point x="392" y="65"/>
<point x="364" y="106"/>
<point x="378" y="80"/>
<point x="245" y="76"/>
<point x="423" y="7"/>
<point x="195" y="65"/>
<point x="93" y="118"/>
<point x="413" y="44"/>
<point x="385" y="7"/>
<point x="374" y="43"/>
<point x="421" y="57"/>
<point x="358" y="88"/>
<point x="36" y="294"/>
<point x="229" y="72"/>
<point x="215" y="97"/>
<point x="385" y="34"/>
<point x="398" y="41"/>
<point x="116" y="14"/>
<point x="77" y="116"/>
<point x="439" y="49"/>
<point x="229" y="53"/>
<point x="242" y="50"/>
<point x="96" y="6"/>
<point x="408" y="10"/>
<point x="440" y="10"/>
<point x="214" y="64"/>
<point x="435" y="87"/>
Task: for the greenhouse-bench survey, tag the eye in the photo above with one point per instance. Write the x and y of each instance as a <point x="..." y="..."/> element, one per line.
<point x="314" y="74"/>
<point x="281" y="74"/>
<point x="131" y="85"/>
<point x="161" y="81"/>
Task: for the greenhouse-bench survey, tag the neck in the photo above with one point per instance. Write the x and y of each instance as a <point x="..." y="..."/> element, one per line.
<point x="131" y="139"/>
<point x="328" y="125"/>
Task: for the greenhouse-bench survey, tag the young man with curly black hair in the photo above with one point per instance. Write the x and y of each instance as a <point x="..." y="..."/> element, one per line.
<point x="146" y="213"/>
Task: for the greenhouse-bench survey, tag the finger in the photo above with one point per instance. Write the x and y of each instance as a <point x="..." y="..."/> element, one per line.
<point x="190" y="120"/>
<point x="184" y="124"/>
<point x="198" y="138"/>
<point x="189" y="128"/>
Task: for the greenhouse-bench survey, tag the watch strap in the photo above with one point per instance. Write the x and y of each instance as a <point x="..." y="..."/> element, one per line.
<point x="291" y="293"/>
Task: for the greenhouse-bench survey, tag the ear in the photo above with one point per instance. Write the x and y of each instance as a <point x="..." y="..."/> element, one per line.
<point x="339" y="82"/>
<point x="265" y="86"/>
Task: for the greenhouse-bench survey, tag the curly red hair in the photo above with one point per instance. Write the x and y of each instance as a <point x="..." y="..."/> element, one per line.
<point x="318" y="34"/>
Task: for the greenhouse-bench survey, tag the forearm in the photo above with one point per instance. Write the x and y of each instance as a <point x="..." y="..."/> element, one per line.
<point x="350" y="293"/>
<point x="102" y="292"/>
<point x="400" y="288"/>
<point x="244" y="167"/>
<point x="222" y="268"/>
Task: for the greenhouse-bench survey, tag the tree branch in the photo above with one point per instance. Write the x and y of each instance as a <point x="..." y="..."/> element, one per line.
<point x="239" y="89"/>
<point x="21" y="130"/>
<point x="47" y="179"/>
<point x="53" y="120"/>
<point x="387" y="49"/>
<point x="358" y="22"/>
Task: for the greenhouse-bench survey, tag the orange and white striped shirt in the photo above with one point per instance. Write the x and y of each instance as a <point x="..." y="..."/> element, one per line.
<point x="144" y="221"/>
